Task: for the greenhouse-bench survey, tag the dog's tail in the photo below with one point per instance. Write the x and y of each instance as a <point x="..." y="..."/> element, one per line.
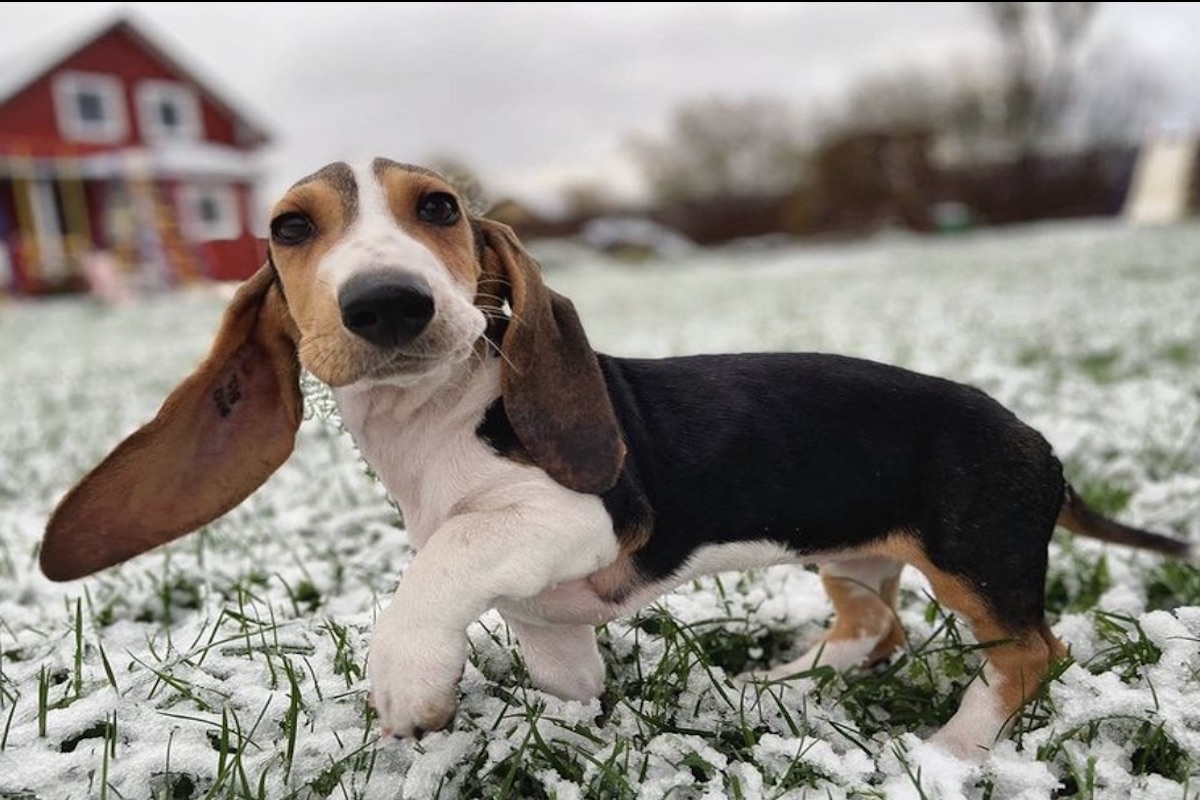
<point x="1078" y="517"/>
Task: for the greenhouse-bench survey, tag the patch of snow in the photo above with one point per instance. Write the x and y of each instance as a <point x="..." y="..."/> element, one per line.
<point x="1088" y="332"/>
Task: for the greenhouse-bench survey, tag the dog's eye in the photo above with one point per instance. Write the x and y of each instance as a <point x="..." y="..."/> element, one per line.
<point x="438" y="208"/>
<point x="291" y="228"/>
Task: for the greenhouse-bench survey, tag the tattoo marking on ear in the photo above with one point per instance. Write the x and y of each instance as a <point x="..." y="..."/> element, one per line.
<point x="227" y="396"/>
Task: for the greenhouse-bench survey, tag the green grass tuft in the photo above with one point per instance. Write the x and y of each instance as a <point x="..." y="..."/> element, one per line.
<point x="1172" y="584"/>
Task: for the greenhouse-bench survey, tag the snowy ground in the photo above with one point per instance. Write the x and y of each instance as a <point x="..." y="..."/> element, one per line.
<point x="231" y="664"/>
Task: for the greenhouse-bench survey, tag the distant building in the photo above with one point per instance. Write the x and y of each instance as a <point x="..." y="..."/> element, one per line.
<point x="114" y="157"/>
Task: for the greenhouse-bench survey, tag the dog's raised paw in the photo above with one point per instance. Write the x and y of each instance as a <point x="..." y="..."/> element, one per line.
<point x="397" y="722"/>
<point x="414" y="681"/>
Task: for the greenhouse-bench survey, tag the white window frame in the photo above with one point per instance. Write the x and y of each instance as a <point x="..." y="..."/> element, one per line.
<point x="225" y="198"/>
<point x="151" y="94"/>
<point x="67" y="88"/>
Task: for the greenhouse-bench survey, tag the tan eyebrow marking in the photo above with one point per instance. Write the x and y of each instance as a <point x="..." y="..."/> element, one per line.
<point x="382" y="165"/>
<point x="340" y="176"/>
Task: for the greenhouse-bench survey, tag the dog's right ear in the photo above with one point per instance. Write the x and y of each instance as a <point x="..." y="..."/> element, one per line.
<point x="555" y="395"/>
<point x="218" y="436"/>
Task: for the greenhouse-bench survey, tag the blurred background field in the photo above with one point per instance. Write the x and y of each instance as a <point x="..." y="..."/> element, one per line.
<point x="141" y="144"/>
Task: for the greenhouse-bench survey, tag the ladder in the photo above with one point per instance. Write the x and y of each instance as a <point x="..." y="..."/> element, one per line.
<point x="162" y="244"/>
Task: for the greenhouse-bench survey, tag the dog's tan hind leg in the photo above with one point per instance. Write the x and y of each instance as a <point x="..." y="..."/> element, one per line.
<point x="865" y="626"/>
<point x="1016" y="661"/>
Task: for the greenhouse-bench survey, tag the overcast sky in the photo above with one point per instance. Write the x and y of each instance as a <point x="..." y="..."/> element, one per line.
<point x="532" y="95"/>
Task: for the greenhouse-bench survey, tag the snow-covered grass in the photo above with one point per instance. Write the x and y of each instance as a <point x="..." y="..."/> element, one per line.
<point x="231" y="664"/>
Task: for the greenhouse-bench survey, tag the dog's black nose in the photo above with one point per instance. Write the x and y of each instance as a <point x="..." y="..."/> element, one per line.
<point x="386" y="308"/>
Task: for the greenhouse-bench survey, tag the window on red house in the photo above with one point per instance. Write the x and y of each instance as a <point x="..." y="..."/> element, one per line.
<point x="90" y="107"/>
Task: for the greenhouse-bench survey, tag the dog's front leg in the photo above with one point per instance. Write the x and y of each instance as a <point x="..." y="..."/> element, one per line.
<point x="419" y="646"/>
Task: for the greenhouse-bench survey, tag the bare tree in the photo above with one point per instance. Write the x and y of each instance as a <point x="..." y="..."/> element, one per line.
<point x="1113" y="102"/>
<point x="1055" y="87"/>
<point x="1051" y="87"/>
<point x="586" y="198"/>
<point x="957" y="104"/>
<point x="729" y="147"/>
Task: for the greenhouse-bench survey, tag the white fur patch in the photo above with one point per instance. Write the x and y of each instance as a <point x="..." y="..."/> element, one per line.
<point x="708" y="559"/>
<point x="731" y="556"/>
<point x="840" y="655"/>
<point x="562" y="659"/>
<point x="979" y="721"/>
<point x="376" y="242"/>
<point x="490" y="533"/>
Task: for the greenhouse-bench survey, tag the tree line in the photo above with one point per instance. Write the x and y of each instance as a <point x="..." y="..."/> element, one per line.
<point x="1045" y="125"/>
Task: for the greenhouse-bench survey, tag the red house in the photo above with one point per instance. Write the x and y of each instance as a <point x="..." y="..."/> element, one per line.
<point x="112" y="155"/>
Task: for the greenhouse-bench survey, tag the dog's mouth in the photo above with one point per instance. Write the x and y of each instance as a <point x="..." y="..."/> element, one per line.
<point x="408" y="364"/>
<point x="338" y="365"/>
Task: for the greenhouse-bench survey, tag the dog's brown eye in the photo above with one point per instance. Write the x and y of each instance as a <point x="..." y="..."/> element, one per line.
<point x="438" y="208"/>
<point x="291" y="228"/>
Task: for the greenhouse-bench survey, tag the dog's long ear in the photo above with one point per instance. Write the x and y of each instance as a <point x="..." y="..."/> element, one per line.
<point x="218" y="436"/>
<point x="554" y="392"/>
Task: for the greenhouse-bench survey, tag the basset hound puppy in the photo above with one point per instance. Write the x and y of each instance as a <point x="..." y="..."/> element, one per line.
<point x="564" y="487"/>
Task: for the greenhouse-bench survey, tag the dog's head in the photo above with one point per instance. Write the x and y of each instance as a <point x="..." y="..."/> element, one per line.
<point x="380" y="268"/>
<point x="376" y="275"/>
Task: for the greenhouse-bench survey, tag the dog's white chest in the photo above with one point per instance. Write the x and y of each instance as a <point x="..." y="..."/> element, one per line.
<point x="421" y="442"/>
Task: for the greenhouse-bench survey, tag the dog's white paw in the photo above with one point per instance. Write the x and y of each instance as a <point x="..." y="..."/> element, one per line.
<point x="578" y="680"/>
<point x="414" y="679"/>
<point x="562" y="659"/>
<point x="840" y="655"/>
<point x="980" y="721"/>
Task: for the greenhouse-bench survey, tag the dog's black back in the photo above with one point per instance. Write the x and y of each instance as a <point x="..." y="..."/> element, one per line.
<point x="825" y="453"/>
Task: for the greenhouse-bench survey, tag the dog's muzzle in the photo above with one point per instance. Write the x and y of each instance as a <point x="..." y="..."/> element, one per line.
<point x="387" y="309"/>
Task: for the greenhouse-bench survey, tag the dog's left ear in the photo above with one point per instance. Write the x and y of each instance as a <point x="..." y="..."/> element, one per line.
<point x="218" y="436"/>
<point x="554" y="392"/>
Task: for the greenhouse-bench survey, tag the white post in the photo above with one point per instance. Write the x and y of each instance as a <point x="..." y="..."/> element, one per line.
<point x="48" y="228"/>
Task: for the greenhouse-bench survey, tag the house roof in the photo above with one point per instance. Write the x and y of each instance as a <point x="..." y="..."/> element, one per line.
<point x="21" y="70"/>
